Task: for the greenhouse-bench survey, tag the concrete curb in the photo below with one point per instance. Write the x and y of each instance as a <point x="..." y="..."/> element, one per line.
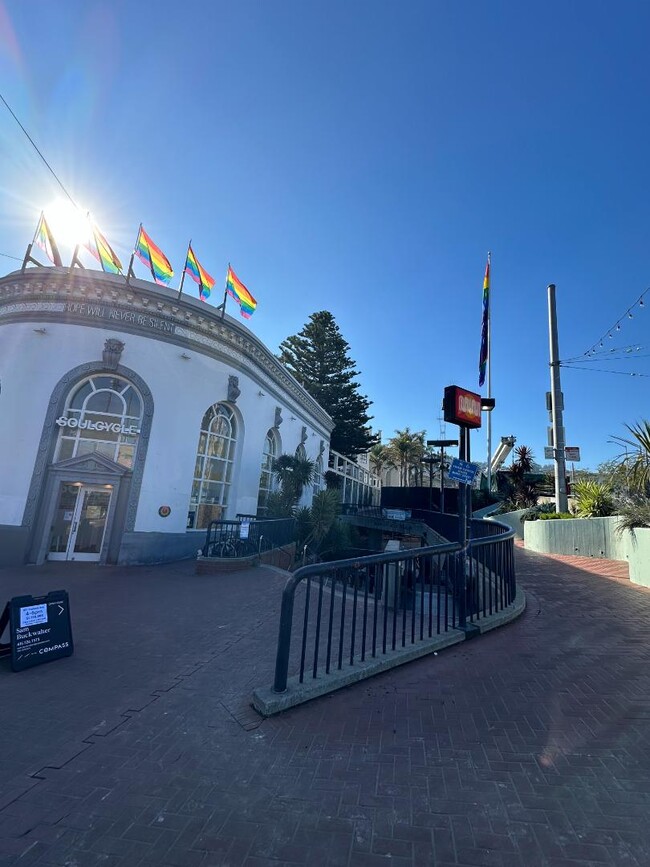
<point x="502" y="617"/>
<point x="267" y="702"/>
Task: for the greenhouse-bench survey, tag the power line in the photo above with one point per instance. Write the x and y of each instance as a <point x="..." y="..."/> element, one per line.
<point x="604" y="353"/>
<point x="609" y="355"/>
<point x="621" y="358"/>
<point x="7" y="256"/>
<point x="34" y="145"/>
<point x="599" y="370"/>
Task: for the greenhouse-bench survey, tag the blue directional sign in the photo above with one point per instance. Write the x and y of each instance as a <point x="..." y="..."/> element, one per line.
<point x="463" y="471"/>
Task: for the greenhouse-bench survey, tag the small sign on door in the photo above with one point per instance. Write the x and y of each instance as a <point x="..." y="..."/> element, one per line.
<point x="32" y="615"/>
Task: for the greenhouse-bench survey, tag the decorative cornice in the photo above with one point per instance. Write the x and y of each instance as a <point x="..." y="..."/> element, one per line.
<point x="106" y="301"/>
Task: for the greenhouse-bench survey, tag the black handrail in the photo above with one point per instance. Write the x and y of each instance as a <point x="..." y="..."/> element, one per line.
<point x="426" y="590"/>
<point x="371" y="578"/>
<point x="224" y="539"/>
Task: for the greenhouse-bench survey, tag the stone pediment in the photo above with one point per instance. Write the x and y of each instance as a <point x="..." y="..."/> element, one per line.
<point x="92" y="463"/>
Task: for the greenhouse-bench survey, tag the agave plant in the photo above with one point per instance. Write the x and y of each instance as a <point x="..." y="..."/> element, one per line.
<point x="593" y="499"/>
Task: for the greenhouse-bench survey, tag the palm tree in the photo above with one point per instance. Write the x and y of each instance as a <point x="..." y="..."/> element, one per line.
<point x="294" y="474"/>
<point x="634" y="462"/>
<point x="379" y="457"/>
<point x="523" y="493"/>
<point x="406" y="449"/>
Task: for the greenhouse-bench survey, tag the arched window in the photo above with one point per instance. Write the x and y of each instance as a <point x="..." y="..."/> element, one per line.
<point x="102" y="414"/>
<point x="214" y="466"/>
<point x="269" y="454"/>
<point x="318" y="476"/>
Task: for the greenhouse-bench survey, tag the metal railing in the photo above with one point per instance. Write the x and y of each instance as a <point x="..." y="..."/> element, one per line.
<point x="225" y="538"/>
<point x="490" y="575"/>
<point x="350" y="611"/>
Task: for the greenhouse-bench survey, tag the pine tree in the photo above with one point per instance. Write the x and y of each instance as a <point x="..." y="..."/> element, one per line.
<point x="318" y="358"/>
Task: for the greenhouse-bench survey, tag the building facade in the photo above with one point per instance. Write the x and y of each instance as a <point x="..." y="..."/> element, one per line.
<point x="130" y="418"/>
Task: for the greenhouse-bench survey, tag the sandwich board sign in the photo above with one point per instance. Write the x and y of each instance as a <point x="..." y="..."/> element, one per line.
<point x="39" y="629"/>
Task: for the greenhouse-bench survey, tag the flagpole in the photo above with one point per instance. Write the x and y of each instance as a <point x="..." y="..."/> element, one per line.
<point x="28" y="253"/>
<point x="76" y="260"/>
<point x="180" y="291"/>
<point x="489" y="377"/>
<point x="225" y="294"/>
<point x="130" y="273"/>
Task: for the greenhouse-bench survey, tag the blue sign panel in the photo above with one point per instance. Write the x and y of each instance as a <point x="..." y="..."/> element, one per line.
<point x="463" y="471"/>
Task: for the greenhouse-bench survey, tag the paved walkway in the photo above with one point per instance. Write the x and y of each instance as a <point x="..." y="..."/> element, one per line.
<point x="528" y="746"/>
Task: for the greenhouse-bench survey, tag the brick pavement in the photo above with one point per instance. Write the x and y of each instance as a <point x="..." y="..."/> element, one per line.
<point x="528" y="746"/>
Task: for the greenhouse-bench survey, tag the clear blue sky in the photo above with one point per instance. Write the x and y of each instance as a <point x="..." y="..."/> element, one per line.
<point x="363" y="157"/>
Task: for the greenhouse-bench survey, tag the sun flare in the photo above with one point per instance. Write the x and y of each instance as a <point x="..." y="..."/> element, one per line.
<point x="68" y="224"/>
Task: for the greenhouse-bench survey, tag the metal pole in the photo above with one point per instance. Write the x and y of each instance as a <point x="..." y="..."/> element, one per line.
<point x="462" y="490"/>
<point x="442" y="479"/>
<point x="561" y="499"/>
<point x="180" y="290"/>
<point x="489" y="377"/>
<point x="468" y="488"/>
<point x="462" y="520"/>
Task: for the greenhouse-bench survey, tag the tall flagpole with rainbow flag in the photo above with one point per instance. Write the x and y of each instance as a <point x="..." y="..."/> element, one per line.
<point x="485" y="363"/>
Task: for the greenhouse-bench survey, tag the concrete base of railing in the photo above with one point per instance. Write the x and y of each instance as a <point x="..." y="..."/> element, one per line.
<point x="493" y="621"/>
<point x="282" y="558"/>
<point x="222" y="565"/>
<point x="267" y="702"/>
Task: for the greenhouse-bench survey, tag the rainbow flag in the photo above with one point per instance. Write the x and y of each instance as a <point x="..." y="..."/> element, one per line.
<point x="45" y="240"/>
<point x="485" y="326"/>
<point x="236" y="289"/>
<point x="104" y="253"/>
<point x="194" y="270"/>
<point x="153" y="258"/>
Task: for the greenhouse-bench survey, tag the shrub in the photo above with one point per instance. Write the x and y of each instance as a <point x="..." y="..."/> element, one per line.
<point x="537" y="512"/>
<point x="593" y="499"/>
<point x="553" y="516"/>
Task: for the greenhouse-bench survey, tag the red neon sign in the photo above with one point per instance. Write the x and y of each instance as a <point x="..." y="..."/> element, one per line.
<point x="462" y="407"/>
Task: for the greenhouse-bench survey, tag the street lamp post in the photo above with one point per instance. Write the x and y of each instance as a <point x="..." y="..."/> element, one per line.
<point x="442" y="445"/>
<point x="430" y="461"/>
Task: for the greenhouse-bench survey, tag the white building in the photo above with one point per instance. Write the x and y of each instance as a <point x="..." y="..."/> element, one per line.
<point x="129" y="419"/>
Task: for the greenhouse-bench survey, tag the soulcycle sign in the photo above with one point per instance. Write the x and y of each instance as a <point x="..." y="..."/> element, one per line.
<point x="108" y="426"/>
<point x="462" y="407"/>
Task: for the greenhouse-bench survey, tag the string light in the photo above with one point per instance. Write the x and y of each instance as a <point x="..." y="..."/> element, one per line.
<point x="617" y="326"/>
<point x="600" y="370"/>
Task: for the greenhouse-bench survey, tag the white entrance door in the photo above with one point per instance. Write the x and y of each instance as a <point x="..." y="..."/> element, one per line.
<point x="79" y="522"/>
